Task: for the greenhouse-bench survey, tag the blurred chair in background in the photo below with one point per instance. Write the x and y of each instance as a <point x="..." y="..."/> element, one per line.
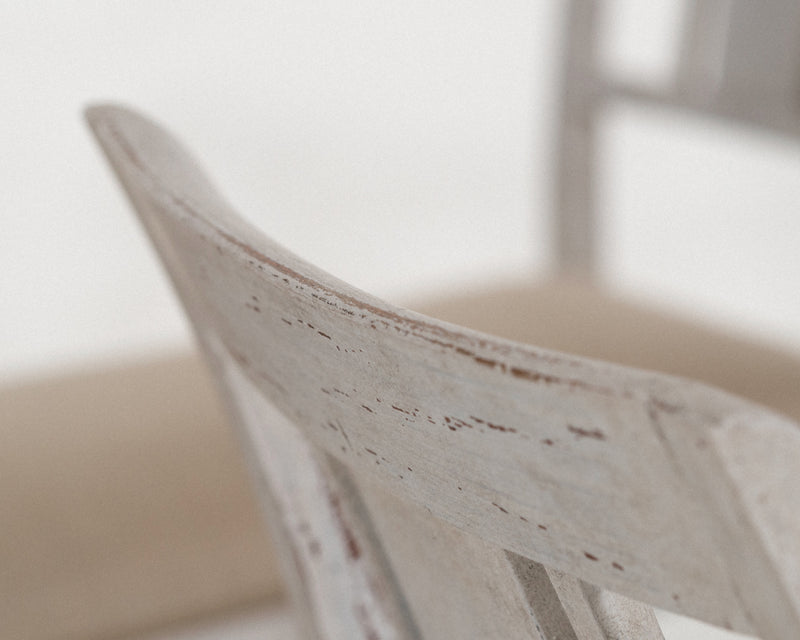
<point x="125" y="505"/>
<point x="692" y="494"/>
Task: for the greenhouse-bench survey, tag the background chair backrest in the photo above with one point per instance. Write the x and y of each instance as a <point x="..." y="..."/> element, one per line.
<point x="737" y="61"/>
<point x="367" y="419"/>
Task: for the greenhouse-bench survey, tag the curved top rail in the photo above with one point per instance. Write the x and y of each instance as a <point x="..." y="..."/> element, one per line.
<point x="660" y="488"/>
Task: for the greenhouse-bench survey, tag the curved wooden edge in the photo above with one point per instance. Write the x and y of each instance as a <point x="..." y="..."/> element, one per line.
<point x="667" y="422"/>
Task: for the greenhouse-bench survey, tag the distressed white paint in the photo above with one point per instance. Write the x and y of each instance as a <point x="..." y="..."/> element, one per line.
<point x="627" y="480"/>
<point x="737" y="61"/>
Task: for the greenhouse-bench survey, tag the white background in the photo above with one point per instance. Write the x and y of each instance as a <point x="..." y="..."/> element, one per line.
<point x="403" y="146"/>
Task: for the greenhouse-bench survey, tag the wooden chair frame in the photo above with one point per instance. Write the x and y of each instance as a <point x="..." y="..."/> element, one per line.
<point x="554" y="471"/>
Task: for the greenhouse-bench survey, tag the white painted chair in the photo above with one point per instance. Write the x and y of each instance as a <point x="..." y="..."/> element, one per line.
<point x="428" y="480"/>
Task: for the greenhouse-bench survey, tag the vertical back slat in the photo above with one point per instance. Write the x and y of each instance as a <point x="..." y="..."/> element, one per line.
<point x="340" y="579"/>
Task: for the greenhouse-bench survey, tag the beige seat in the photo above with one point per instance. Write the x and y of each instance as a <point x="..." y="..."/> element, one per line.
<point x="150" y="527"/>
<point x="126" y="505"/>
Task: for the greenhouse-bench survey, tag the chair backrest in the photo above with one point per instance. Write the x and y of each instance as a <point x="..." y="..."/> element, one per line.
<point x="738" y="61"/>
<point x="429" y="480"/>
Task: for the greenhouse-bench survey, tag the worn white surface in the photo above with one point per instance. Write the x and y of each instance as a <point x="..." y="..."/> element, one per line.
<point x="614" y="476"/>
<point x="341" y="583"/>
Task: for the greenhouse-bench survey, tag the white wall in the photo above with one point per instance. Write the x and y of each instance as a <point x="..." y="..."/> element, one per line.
<point x="401" y="145"/>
